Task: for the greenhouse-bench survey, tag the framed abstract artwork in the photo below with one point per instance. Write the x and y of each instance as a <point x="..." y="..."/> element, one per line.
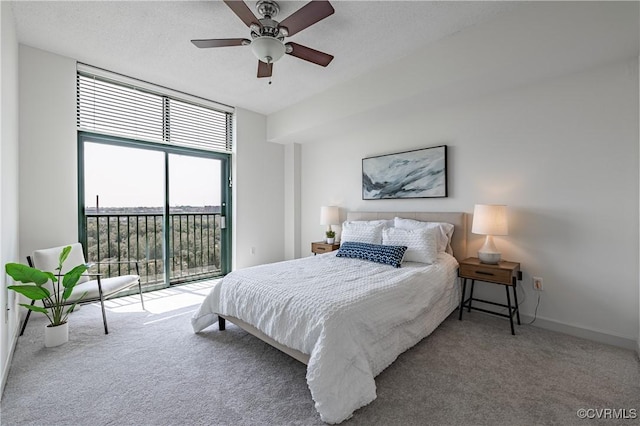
<point x="421" y="173"/>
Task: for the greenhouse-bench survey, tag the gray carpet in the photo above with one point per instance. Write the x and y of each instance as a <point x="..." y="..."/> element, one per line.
<point x="152" y="370"/>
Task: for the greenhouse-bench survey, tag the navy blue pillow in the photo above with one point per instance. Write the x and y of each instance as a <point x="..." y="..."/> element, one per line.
<point x="388" y="255"/>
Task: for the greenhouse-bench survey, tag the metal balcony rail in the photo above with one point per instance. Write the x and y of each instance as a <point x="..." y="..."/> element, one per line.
<point x="194" y="245"/>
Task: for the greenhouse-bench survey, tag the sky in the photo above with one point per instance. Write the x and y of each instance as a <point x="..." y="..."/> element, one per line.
<point x="130" y="177"/>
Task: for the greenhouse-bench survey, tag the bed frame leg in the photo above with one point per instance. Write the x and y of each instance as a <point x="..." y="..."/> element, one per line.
<point x="221" y="323"/>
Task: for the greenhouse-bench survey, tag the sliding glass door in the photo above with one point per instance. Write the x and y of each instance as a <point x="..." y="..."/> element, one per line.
<point x="163" y="206"/>
<point x="195" y="212"/>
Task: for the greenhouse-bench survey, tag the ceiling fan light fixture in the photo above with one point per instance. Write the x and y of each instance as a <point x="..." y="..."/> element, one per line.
<point x="268" y="35"/>
<point x="267" y="49"/>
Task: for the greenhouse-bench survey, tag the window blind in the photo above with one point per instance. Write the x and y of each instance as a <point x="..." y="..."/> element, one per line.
<point x="126" y="109"/>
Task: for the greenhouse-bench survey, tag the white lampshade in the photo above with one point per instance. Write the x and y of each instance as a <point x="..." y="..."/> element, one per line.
<point x="329" y="215"/>
<point x="267" y="49"/>
<point x="489" y="220"/>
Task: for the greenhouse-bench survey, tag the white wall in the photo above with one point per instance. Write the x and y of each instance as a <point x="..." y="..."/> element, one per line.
<point x="258" y="193"/>
<point x="292" y="249"/>
<point x="9" y="318"/>
<point x="48" y="150"/>
<point x="562" y="154"/>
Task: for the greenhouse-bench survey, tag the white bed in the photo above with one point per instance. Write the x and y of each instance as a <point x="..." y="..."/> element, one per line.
<point x="347" y="319"/>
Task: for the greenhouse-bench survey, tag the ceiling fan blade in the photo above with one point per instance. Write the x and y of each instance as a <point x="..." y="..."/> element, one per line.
<point x="264" y="70"/>
<point x="309" y="54"/>
<point x="307" y="15"/>
<point x="241" y="9"/>
<point x="220" y="42"/>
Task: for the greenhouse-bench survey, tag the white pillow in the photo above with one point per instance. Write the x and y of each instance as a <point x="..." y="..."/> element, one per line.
<point x="422" y="244"/>
<point x="385" y="222"/>
<point x="361" y="233"/>
<point x="443" y="236"/>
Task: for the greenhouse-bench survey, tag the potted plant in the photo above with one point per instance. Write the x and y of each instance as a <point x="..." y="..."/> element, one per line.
<point x="54" y="299"/>
<point x="331" y="235"/>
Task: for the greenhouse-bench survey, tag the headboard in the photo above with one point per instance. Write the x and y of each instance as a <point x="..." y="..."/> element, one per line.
<point x="457" y="219"/>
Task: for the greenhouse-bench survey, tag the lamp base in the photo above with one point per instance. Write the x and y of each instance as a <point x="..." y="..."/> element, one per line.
<point x="489" y="258"/>
<point x="488" y="253"/>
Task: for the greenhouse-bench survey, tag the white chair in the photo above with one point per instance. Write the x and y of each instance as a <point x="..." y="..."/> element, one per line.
<point x="87" y="290"/>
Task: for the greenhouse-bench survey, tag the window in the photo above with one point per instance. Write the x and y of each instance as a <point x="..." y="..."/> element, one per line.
<point x="136" y="140"/>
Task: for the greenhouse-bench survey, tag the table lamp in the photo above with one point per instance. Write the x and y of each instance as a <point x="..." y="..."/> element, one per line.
<point x="489" y="220"/>
<point x="329" y="215"/>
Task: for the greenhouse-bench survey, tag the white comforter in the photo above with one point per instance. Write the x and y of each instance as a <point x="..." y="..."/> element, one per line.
<point x="353" y="317"/>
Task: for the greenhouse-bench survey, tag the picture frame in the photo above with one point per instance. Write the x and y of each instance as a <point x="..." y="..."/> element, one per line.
<point x="420" y="173"/>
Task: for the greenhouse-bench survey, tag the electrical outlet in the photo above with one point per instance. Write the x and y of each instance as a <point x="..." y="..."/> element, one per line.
<point x="537" y="283"/>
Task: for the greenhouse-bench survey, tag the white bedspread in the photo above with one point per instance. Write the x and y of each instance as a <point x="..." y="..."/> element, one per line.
<point x="353" y="317"/>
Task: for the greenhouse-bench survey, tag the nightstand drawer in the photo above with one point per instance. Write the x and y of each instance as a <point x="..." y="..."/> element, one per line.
<point x="321" y="247"/>
<point x="480" y="272"/>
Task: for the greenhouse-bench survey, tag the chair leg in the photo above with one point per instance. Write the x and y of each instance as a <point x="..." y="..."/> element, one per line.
<point x="139" y="285"/>
<point x="26" y="319"/>
<point x="140" y="290"/>
<point x="104" y="314"/>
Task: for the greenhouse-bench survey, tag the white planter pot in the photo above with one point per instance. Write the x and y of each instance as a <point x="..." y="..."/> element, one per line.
<point x="56" y="336"/>
<point x="330" y="240"/>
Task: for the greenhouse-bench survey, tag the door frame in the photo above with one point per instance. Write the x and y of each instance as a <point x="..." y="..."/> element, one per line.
<point x="225" y="193"/>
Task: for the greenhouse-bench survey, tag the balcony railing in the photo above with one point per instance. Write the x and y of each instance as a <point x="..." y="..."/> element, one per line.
<point x="194" y="248"/>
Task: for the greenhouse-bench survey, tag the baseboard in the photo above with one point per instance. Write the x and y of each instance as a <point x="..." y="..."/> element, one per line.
<point x="585" y="333"/>
<point x="7" y="366"/>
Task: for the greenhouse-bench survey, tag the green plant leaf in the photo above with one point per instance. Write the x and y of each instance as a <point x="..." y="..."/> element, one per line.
<point x="63" y="256"/>
<point x="71" y="278"/>
<point x="32" y="292"/>
<point x="26" y="274"/>
<point x="51" y="276"/>
<point x="35" y="308"/>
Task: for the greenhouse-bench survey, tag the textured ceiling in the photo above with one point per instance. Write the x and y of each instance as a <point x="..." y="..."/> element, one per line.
<point x="150" y="40"/>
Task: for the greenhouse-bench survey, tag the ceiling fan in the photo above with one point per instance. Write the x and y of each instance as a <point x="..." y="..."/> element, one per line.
<point x="267" y="34"/>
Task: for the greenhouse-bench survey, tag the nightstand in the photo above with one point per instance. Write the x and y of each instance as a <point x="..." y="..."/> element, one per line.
<point x="504" y="273"/>
<point x="322" y="247"/>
